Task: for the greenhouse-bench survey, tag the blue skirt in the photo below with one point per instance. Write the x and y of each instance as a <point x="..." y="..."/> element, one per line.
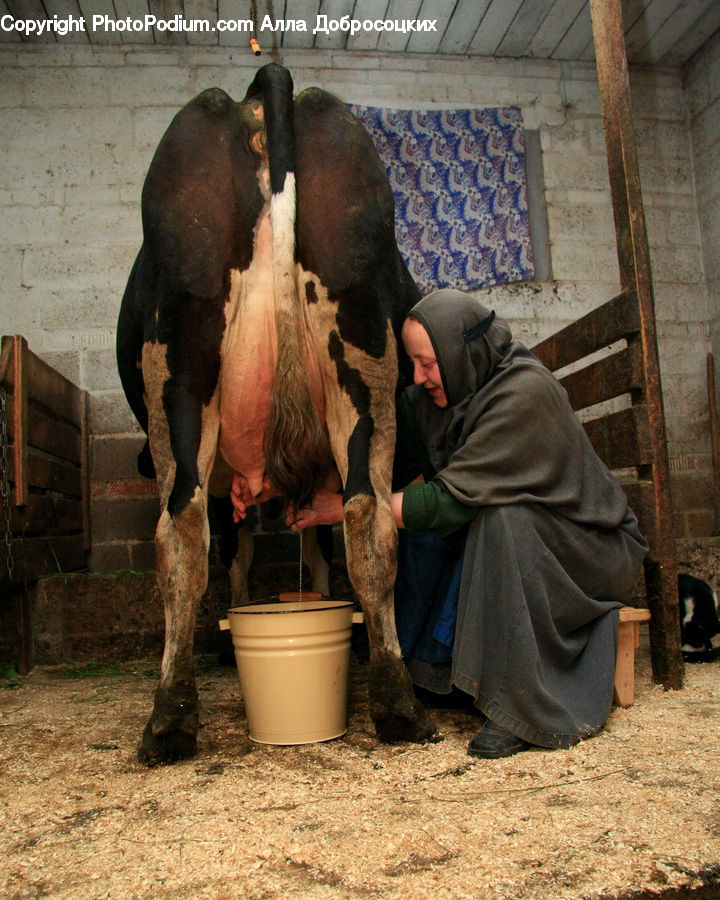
<point x="426" y="597"/>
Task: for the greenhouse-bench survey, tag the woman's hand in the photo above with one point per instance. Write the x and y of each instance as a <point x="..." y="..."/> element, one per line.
<point x="325" y="509"/>
<point x="242" y="498"/>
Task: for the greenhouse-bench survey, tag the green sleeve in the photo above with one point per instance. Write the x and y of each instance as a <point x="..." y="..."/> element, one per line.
<point x="427" y="507"/>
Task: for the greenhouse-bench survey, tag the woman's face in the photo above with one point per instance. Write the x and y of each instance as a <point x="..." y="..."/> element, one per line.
<point x="426" y="371"/>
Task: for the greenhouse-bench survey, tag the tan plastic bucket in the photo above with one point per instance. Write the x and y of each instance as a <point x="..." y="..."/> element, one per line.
<point x="292" y="658"/>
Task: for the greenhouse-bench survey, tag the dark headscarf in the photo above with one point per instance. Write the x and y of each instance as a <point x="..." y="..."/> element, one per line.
<point x="508" y="433"/>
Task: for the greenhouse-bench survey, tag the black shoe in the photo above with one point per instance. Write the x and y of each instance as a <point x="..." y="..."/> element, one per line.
<point x="493" y="742"/>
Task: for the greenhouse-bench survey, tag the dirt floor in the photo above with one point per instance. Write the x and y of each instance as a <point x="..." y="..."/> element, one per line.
<point x="633" y="812"/>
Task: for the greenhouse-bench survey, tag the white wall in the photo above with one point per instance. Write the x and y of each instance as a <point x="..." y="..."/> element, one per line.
<point x="78" y="127"/>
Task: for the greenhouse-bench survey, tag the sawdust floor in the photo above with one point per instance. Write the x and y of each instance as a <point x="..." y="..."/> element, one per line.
<point x="634" y="811"/>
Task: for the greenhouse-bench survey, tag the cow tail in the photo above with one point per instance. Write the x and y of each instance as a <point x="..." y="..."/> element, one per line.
<point x="296" y="445"/>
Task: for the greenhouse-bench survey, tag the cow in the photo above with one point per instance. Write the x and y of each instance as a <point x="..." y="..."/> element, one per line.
<point x="258" y="338"/>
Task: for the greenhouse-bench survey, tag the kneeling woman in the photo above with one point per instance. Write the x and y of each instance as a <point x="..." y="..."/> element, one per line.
<point x="517" y="546"/>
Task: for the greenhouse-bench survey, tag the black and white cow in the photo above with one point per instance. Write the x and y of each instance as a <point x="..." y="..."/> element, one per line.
<point x="698" y="618"/>
<point x="258" y="336"/>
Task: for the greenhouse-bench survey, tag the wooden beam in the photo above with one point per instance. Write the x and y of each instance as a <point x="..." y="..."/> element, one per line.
<point x="635" y="274"/>
<point x="85" y="436"/>
<point x="615" y="320"/>
<point x="20" y="420"/>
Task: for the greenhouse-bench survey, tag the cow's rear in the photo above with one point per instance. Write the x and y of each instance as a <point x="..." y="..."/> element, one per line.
<point x="260" y="324"/>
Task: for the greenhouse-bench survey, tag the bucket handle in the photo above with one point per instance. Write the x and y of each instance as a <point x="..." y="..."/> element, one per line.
<point x="358" y="618"/>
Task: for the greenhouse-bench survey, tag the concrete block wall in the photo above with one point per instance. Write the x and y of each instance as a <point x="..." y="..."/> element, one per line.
<point x="702" y="88"/>
<point x="79" y="125"/>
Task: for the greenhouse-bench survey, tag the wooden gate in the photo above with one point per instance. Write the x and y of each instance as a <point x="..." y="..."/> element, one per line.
<point x="43" y="444"/>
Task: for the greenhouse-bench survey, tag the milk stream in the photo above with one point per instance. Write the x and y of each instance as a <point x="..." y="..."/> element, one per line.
<point x="300" y="585"/>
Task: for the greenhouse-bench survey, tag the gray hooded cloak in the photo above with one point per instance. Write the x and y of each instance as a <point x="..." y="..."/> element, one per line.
<point x="553" y="548"/>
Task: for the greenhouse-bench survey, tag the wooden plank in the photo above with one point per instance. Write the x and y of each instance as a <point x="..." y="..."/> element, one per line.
<point x="236" y="11"/>
<point x="495" y="23"/>
<point x="372" y="10"/>
<point x="6" y="364"/>
<point x="305" y="10"/>
<point x="47" y="514"/>
<point x="63" y="9"/>
<point x="204" y="15"/>
<point x="46" y="386"/>
<point x="621" y="439"/>
<point x="617" y="319"/>
<point x="631" y="11"/>
<point x="463" y="26"/>
<point x="642" y="33"/>
<point x="19" y="421"/>
<point x="7" y="35"/>
<point x="554" y="27"/>
<point x="396" y="41"/>
<point x="706" y="24"/>
<point x="429" y="41"/>
<point x="135" y="9"/>
<point x="90" y="8"/>
<point x="85" y="469"/>
<point x="634" y="614"/>
<point x="31" y="9"/>
<point x="641" y="497"/>
<point x="517" y="39"/>
<point x="165" y="10"/>
<point x="681" y="18"/>
<point x="39" y="557"/>
<point x="55" y="438"/>
<point x="335" y="10"/>
<point x="576" y="38"/>
<point x="46" y="473"/>
<point x="609" y="377"/>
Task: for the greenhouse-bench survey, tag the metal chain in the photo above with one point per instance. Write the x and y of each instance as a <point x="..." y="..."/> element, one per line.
<point x="5" y="483"/>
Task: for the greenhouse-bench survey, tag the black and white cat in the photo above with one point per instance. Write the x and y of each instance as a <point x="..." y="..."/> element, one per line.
<point x="698" y="618"/>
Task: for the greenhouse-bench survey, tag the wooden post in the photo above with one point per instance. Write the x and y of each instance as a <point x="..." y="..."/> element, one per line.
<point x="635" y="273"/>
<point x="85" y="437"/>
<point x="20" y="421"/>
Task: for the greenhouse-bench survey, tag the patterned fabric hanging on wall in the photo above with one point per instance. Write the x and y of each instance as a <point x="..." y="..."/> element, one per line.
<point x="458" y="176"/>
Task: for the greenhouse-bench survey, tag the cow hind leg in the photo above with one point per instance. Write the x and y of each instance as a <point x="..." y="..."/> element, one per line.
<point x="371" y="551"/>
<point x="182" y="543"/>
<point x="362" y="427"/>
<point x="183" y="438"/>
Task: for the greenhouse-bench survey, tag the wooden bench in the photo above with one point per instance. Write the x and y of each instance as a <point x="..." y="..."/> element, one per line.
<point x="628" y="642"/>
<point x="599" y="360"/>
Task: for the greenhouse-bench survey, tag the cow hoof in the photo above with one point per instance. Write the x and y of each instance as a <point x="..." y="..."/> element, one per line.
<point x="157" y="750"/>
<point x="171" y="733"/>
<point x="397" y="713"/>
<point x="419" y="728"/>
